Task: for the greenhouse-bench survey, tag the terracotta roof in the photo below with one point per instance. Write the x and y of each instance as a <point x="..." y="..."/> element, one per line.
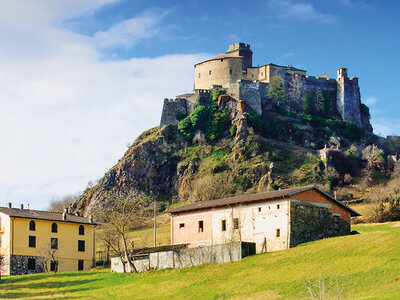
<point x="44" y="215"/>
<point x="254" y="198"/>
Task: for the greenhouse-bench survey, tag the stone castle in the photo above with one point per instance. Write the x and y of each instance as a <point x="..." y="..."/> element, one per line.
<point x="235" y="73"/>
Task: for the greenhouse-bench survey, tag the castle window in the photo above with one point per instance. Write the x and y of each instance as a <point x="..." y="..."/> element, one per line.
<point x="32" y="226"/>
<point x="199" y="75"/>
<point x="81" y="246"/>
<point x="54" y="243"/>
<point x="201" y="226"/>
<point x="230" y="71"/>
<point x="235" y="223"/>
<point x="259" y="209"/>
<point x="181" y="225"/>
<point x="252" y="75"/>
<point x="32" y="241"/>
<point x="278" y="233"/>
<point x="223" y="225"/>
<point x="262" y="73"/>
<point x="278" y="206"/>
<point x="81" y="230"/>
<point x="209" y="72"/>
<point x="31" y="264"/>
<point x="54" y="227"/>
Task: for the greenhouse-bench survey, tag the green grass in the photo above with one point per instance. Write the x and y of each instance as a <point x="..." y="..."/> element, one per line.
<point x="367" y="264"/>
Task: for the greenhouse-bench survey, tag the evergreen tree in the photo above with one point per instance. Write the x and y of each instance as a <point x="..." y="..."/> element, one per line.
<point x="276" y="91"/>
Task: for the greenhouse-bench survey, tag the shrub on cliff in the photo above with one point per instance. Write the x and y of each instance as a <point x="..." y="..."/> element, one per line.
<point x="258" y="123"/>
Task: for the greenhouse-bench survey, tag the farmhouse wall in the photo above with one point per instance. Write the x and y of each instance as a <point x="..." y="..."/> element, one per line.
<point x="19" y="265"/>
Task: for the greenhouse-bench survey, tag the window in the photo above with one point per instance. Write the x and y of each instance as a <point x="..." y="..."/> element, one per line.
<point x="201" y="226"/>
<point x="32" y="226"/>
<point x="321" y="216"/>
<point x="199" y="75"/>
<point x="230" y="71"/>
<point x="31" y="264"/>
<point x="278" y="206"/>
<point x="32" y="241"/>
<point x="80" y="265"/>
<point x="54" y="243"/>
<point x="81" y="246"/>
<point x="54" y="227"/>
<point x="181" y="225"/>
<point x="278" y="233"/>
<point x="209" y="72"/>
<point x="336" y="222"/>
<point x="0" y="241"/>
<point x="235" y="223"/>
<point x="81" y="230"/>
<point x="53" y="265"/>
<point x="223" y="225"/>
<point x="262" y="73"/>
<point x="252" y="75"/>
<point x="259" y="209"/>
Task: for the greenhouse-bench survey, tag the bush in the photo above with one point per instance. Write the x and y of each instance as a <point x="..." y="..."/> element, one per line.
<point x="258" y="123"/>
<point x="180" y="115"/>
<point x="276" y="91"/>
<point x="233" y="130"/>
<point x="309" y="103"/>
<point x="352" y="132"/>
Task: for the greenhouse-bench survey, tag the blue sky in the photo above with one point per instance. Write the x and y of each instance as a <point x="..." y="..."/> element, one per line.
<point x="80" y="80"/>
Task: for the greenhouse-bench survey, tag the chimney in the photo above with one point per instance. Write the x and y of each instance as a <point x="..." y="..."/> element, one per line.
<point x="90" y="219"/>
<point x="64" y="216"/>
<point x="22" y="206"/>
<point x="9" y="205"/>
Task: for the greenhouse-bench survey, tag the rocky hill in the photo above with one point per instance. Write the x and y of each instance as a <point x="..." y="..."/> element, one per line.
<point x="223" y="148"/>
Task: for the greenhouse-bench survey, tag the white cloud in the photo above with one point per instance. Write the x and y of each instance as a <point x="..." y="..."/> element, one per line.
<point x="66" y="115"/>
<point x="386" y="126"/>
<point x="287" y="10"/>
<point x="371" y="100"/>
<point x="129" y="32"/>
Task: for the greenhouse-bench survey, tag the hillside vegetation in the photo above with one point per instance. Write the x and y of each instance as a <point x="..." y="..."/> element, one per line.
<point x="365" y="266"/>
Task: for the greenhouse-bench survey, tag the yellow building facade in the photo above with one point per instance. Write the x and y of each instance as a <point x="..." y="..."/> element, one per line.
<point x="35" y="241"/>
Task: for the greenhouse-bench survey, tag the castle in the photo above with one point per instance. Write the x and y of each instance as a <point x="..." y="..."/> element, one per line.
<point x="234" y="72"/>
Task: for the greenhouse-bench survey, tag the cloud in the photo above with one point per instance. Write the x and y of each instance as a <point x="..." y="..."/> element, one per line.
<point x="371" y="100"/>
<point x="129" y="32"/>
<point x="66" y="114"/>
<point x="353" y="3"/>
<point x="305" y="12"/>
<point x="386" y="126"/>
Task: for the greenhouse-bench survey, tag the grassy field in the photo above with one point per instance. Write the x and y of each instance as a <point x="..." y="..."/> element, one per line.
<point x="367" y="265"/>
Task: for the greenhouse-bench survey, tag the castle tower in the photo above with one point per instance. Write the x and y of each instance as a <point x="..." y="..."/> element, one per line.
<point x="241" y="49"/>
<point x="348" y="100"/>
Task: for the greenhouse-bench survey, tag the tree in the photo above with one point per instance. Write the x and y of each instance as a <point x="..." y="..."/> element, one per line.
<point x="49" y="254"/>
<point x="60" y="204"/>
<point x="309" y="103"/>
<point x="276" y="91"/>
<point x="124" y="215"/>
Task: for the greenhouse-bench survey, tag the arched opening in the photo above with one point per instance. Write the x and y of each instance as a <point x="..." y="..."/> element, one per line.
<point x="32" y="225"/>
<point x="54" y="227"/>
<point x="81" y="230"/>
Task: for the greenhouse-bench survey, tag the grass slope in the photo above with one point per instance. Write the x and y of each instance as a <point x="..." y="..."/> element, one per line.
<point x="367" y="264"/>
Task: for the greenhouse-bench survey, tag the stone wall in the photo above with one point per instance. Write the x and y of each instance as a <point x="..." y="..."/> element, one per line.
<point x="348" y="100"/>
<point x="182" y="258"/>
<point x="170" y="108"/>
<point x="19" y="265"/>
<point x="313" y="221"/>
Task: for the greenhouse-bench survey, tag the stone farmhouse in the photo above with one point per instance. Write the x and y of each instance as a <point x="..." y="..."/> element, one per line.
<point x="235" y="73"/>
<point x="274" y="220"/>
<point x="27" y="237"/>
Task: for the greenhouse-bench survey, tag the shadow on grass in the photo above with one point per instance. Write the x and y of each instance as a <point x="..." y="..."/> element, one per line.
<point x="61" y="286"/>
<point x="40" y="276"/>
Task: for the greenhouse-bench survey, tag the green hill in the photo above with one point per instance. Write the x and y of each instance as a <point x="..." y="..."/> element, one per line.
<point x="365" y="265"/>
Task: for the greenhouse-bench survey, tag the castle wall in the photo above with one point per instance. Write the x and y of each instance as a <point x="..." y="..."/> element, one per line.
<point x="170" y="108"/>
<point x="249" y="91"/>
<point x="217" y="72"/>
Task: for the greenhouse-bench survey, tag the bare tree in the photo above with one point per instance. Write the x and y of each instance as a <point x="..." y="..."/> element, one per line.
<point x="324" y="288"/>
<point x="49" y="254"/>
<point x="60" y="204"/>
<point x="110" y="238"/>
<point x="120" y="218"/>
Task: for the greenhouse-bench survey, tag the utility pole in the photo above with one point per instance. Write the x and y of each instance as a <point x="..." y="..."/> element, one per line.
<point x="155" y="224"/>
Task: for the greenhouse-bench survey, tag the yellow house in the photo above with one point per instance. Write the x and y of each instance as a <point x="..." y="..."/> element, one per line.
<point x="33" y="241"/>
